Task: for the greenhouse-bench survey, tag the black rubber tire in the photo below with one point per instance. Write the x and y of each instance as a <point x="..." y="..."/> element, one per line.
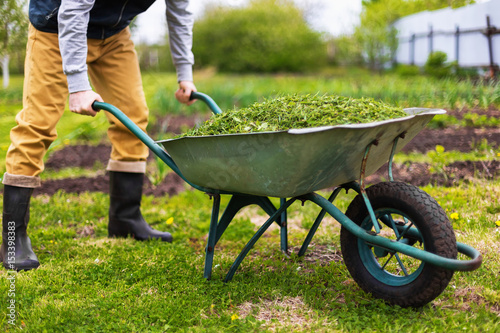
<point x="438" y="237"/>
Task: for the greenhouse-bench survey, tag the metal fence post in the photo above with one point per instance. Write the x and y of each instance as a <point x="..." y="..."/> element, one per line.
<point x="431" y="44"/>
<point x="412" y="50"/>
<point x="490" y="30"/>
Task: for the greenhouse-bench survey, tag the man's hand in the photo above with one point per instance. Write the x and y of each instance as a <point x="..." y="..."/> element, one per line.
<point x="81" y="102"/>
<point x="184" y="91"/>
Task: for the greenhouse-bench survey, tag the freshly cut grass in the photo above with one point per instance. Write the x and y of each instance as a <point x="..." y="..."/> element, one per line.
<point x="298" y="111"/>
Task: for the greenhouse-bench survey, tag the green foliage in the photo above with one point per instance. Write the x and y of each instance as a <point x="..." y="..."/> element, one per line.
<point x="407" y="70"/>
<point x="265" y="36"/>
<point x="13" y="30"/>
<point x="13" y="34"/>
<point x="439" y="161"/>
<point x="347" y="51"/>
<point x="478" y="121"/>
<point x="443" y="121"/>
<point x="436" y="65"/>
<point x="12" y="95"/>
<point x="231" y="91"/>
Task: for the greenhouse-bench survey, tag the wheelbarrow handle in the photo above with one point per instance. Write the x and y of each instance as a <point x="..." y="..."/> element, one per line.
<point x="150" y="143"/>
<point x="137" y="131"/>
<point x="207" y="100"/>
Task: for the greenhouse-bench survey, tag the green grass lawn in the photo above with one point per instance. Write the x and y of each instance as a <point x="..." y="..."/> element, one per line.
<point x="88" y="282"/>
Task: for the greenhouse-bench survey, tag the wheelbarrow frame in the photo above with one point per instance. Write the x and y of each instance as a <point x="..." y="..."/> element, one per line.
<point x="279" y="215"/>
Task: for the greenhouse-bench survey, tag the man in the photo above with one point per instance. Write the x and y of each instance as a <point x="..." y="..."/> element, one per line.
<point x="69" y="42"/>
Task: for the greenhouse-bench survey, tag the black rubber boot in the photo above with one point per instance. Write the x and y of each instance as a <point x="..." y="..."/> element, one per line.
<point x="16" y="252"/>
<point x="125" y="218"/>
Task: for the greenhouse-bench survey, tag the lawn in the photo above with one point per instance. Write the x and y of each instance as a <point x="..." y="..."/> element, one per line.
<point x="88" y="282"/>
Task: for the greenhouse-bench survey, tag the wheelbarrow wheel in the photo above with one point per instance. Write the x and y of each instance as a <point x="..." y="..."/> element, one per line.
<point x="394" y="277"/>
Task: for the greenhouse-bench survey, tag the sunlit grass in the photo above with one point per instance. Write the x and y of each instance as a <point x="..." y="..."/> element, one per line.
<point x="86" y="277"/>
<point x="229" y="91"/>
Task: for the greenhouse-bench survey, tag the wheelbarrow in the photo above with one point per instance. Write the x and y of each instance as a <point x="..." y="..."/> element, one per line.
<point x="396" y="241"/>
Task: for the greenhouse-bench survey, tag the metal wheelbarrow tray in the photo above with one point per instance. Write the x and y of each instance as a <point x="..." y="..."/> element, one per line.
<point x="295" y="162"/>
<point x="396" y="241"/>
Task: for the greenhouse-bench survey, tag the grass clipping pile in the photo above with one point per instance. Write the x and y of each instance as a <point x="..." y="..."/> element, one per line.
<point x="297" y="111"/>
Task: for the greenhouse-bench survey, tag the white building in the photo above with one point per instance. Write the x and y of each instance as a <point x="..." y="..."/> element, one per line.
<point x="461" y="33"/>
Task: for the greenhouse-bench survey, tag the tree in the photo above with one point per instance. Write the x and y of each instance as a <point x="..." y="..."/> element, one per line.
<point x="264" y="36"/>
<point x="13" y="32"/>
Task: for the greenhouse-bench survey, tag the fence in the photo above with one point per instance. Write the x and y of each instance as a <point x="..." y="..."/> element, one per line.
<point x="468" y="35"/>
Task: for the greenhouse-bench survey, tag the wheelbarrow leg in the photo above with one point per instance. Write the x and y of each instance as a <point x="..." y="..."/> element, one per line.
<point x="255" y="238"/>
<point x="236" y="203"/>
<point x="212" y="232"/>
<point x="316" y="224"/>
<point x="283" y="228"/>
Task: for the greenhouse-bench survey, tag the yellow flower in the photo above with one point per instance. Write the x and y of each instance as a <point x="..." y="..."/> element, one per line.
<point x="439" y="149"/>
<point x="497" y="223"/>
<point x="454" y="216"/>
<point x="66" y="141"/>
<point x="234" y="317"/>
<point x="170" y="220"/>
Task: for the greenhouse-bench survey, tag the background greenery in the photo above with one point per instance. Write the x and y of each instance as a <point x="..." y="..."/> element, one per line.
<point x="257" y="38"/>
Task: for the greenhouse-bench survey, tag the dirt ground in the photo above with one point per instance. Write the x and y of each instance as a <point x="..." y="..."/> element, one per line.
<point x="461" y="139"/>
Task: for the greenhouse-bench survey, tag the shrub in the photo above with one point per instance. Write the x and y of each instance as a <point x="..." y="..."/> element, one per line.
<point x="407" y="70"/>
<point x="436" y="65"/>
<point x="265" y="36"/>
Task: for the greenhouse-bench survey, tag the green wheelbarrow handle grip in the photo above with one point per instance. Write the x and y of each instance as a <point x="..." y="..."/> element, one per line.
<point x="208" y="101"/>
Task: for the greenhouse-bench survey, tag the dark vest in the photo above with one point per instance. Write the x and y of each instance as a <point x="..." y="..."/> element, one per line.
<point x="107" y="17"/>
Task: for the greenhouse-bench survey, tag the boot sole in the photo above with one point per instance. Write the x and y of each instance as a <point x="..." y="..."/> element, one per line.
<point x="24" y="266"/>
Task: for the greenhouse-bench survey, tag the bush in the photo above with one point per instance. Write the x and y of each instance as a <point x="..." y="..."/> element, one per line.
<point x="265" y="36"/>
<point x="407" y="70"/>
<point x="436" y="65"/>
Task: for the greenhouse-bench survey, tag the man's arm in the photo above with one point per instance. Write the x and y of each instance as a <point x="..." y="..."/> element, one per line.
<point x="180" y="34"/>
<point x="73" y="20"/>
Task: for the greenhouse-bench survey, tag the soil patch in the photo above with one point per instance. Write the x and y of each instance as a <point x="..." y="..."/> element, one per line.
<point x="418" y="174"/>
<point x="176" y="124"/>
<point x="82" y="156"/>
<point x="171" y="185"/>
<point x="489" y="112"/>
<point x="460" y="139"/>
